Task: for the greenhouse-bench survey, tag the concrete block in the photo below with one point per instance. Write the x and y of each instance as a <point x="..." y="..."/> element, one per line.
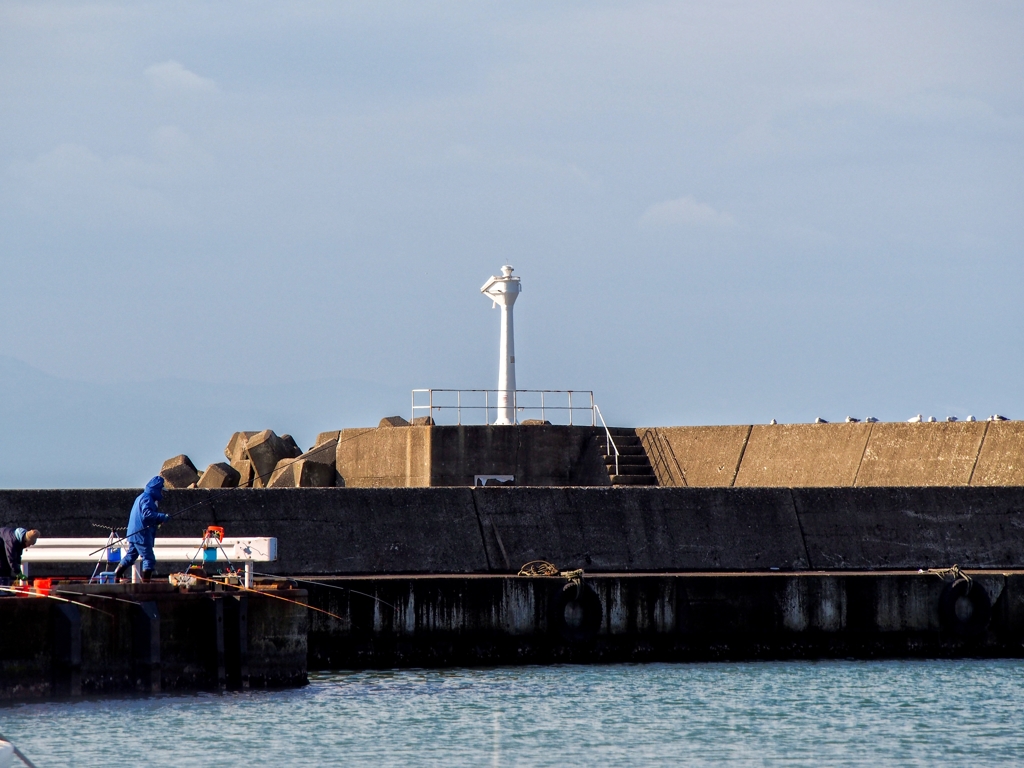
<point x="264" y="449"/>
<point x="1001" y="460"/>
<point x="908" y="454"/>
<point x="245" y="472"/>
<point x="324" y="437"/>
<point x="534" y="423"/>
<point x="219" y="475"/>
<point x="292" y="449"/>
<point x="803" y="455"/>
<point x="283" y="475"/>
<point x="695" y="456"/>
<point x="235" y="450"/>
<point x="324" y="454"/>
<point x="179" y="472"/>
<point x="423" y="421"/>
<point x="393" y="421"/>
<point x="313" y="474"/>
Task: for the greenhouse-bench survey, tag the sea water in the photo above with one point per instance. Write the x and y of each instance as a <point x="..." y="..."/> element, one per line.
<point x="738" y="714"/>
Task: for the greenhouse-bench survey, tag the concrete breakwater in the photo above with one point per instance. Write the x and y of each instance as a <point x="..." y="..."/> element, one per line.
<point x="495" y="530"/>
<point x="148" y="638"/>
<point x="460" y="620"/>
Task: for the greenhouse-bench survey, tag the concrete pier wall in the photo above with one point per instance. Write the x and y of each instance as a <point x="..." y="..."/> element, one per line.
<point x="882" y="454"/>
<point x="496" y="530"/>
<point x="149" y="638"/>
<point x="418" y="456"/>
<point x="759" y="456"/>
<point x="437" y="621"/>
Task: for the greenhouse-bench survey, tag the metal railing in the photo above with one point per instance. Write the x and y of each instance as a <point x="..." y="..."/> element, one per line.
<point x="483" y="402"/>
<point x="608" y="435"/>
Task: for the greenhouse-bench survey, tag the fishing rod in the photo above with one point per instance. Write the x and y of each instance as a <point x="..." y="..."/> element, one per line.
<point x="216" y="496"/>
<point x="266" y="594"/>
<point x="18" y="752"/>
<point x="329" y="586"/>
<point x="22" y="593"/>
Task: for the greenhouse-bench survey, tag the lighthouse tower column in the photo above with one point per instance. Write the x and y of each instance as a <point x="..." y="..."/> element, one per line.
<point x="504" y="291"/>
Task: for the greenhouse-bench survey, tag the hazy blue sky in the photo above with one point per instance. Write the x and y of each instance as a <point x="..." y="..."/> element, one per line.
<point x="215" y="214"/>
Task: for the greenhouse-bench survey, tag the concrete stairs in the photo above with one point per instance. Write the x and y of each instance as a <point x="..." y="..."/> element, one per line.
<point x="634" y="466"/>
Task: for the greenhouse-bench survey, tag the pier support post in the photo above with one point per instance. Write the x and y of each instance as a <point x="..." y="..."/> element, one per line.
<point x="66" y="637"/>
<point x="146" y="646"/>
<point x="236" y="641"/>
<point x="216" y="669"/>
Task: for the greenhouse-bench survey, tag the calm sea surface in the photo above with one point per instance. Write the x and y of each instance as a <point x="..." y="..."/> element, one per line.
<point x="787" y="713"/>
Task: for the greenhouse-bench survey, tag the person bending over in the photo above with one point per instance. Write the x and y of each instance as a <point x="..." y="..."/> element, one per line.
<point x="142" y="525"/>
<point x="14" y="541"/>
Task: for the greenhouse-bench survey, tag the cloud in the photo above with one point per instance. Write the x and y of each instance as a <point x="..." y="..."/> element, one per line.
<point x="171" y="75"/>
<point x="684" y="211"/>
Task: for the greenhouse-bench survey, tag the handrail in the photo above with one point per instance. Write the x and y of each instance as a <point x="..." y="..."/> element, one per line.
<point x="517" y="403"/>
<point x="608" y="435"/>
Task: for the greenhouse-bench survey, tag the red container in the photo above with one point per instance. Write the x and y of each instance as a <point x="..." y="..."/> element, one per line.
<point x="42" y="586"/>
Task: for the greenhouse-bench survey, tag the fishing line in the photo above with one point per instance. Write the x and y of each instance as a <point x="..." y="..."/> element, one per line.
<point x="23" y="593"/>
<point x="329" y="586"/>
<point x="267" y="594"/>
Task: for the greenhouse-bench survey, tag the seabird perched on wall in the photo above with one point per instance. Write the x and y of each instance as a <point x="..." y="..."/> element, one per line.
<point x="871" y="420"/>
<point x="851" y="420"/>
<point x="820" y="420"/>
<point x="997" y="417"/>
<point x="952" y="418"/>
<point x="773" y="421"/>
<point x="971" y="418"/>
<point x="916" y="420"/>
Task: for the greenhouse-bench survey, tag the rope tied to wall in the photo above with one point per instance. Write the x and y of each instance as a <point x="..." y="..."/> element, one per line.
<point x="544" y="568"/>
<point x="954" y="572"/>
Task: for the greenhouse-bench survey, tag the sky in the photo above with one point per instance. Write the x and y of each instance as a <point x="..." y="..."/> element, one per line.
<point x="221" y="216"/>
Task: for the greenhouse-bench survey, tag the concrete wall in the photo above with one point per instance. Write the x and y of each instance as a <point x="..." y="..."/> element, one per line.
<point x="798" y="455"/>
<point x="839" y="455"/>
<point x="497" y="530"/>
<point x="695" y="456"/>
<point x="385" y="457"/>
<point x="921" y="454"/>
<point x="507" y="620"/>
<point x="1001" y="459"/>
<point x="453" y="455"/>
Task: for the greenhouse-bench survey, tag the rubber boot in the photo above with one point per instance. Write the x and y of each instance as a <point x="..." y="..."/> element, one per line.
<point x="147" y="576"/>
<point x="119" y="571"/>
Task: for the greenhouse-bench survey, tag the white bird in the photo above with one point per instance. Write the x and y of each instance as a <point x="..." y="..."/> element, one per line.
<point x="851" y="420"/>
<point x="971" y="418"/>
<point x="916" y="420"/>
<point x="997" y="417"/>
<point x="871" y="420"/>
<point x="773" y="421"/>
<point x="932" y="419"/>
<point x="820" y="420"/>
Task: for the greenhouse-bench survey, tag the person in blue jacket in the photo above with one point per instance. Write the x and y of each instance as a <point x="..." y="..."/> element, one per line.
<point x="142" y="526"/>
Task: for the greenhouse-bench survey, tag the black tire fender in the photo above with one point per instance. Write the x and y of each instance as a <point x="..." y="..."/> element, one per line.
<point x="964" y="608"/>
<point x="575" y="613"/>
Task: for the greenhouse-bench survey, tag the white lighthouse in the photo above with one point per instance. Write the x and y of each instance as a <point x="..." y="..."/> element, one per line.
<point x="504" y="291"/>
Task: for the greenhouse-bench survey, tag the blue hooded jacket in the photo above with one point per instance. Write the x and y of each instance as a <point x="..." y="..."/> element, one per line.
<point x="145" y="516"/>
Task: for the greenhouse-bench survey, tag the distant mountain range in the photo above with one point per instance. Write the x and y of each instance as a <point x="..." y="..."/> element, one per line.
<point x="59" y="433"/>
